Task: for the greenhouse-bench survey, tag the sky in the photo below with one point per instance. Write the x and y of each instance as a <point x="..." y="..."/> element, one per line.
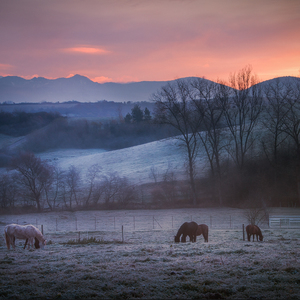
<point x="149" y="40"/>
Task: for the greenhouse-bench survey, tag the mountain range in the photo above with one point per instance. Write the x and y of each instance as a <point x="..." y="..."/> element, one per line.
<point x="79" y="88"/>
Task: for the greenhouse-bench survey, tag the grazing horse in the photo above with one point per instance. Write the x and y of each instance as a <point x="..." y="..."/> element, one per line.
<point x="23" y="232"/>
<point x="254" y="230"/>
<point x="187" y="228"/>
<point x="203" y="229"/>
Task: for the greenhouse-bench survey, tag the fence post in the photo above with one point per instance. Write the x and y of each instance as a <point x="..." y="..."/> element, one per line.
<point x="76" y="223"/>
<point x="243" y="232"/>
<point x="79" y="236"/>
<point x="42" y="229"/>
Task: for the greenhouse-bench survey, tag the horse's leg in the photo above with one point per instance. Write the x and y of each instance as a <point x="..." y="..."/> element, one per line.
<point x="30" y="244"/>
<point x="25" y="243"/>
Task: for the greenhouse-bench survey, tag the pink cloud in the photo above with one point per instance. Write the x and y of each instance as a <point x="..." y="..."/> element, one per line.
<point x="86" y="50"/>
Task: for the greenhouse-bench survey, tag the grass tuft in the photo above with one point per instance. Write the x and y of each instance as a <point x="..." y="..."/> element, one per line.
<point x="91" y="240"/>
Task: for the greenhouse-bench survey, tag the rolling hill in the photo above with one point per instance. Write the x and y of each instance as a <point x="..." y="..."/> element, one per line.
<point x="135" y="163"/>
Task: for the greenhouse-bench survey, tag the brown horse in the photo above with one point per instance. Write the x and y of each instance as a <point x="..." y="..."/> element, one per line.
<point x="254" y="230"/>
<point x="187" y="228"/>
<point x="203" y="229"/>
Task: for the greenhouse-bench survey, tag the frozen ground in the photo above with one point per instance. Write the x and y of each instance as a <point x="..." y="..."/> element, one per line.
<point x="149" y="265"/>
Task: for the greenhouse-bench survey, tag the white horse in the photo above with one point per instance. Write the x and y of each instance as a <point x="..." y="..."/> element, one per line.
<point x="23" y="232"/>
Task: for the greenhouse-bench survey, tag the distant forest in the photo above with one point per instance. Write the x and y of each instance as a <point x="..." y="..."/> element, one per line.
<point x="51" y="130"/>
<point x="74" y="109"/>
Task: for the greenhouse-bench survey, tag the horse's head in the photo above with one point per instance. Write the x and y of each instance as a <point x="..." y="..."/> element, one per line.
<point x="40" y="243"/>
<point x="261" y="238"/>
<point x="43" y="243"/>
<point x="176" y="239"/>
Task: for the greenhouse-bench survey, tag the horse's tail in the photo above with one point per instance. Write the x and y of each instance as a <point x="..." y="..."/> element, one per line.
<point x="7" y="240"/>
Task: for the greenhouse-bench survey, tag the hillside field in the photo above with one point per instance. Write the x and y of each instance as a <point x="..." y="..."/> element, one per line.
<point x="134" y="163"/>
<point x="148" y="264"/>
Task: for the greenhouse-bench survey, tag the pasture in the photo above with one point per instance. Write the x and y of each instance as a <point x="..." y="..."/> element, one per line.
<point x="148" y="264"/>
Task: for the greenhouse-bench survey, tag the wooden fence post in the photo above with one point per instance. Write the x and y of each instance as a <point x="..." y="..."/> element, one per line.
<point x="42" y="229"/>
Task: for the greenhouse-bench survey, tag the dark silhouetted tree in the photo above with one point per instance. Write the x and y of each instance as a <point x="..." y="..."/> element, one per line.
<point x="33" y="175"/>
<point x="175" y="108"/>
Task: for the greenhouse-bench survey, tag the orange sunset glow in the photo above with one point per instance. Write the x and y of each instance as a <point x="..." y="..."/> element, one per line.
<point x="139" y="40"/>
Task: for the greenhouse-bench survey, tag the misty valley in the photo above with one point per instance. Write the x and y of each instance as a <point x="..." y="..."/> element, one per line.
<point x="110" y="183"/>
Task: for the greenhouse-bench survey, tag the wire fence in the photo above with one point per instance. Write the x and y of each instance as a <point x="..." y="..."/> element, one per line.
<point x="133" y="223"/>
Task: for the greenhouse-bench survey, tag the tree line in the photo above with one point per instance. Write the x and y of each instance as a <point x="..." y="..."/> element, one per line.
<point x="38" y="185"/>
<point x="45" y="131"/>
<point x="249" y="134"/>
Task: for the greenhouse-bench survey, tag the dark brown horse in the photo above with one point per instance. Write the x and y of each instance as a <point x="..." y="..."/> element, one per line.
<point x="254" y="230"/>
<point x="187" y="228"/>
<point x="203" y="229"/>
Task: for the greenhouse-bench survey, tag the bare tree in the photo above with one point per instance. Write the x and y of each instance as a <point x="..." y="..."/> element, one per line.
<point x="33" y="175"/>
<point x="54" y="187"/>
<point x="291" y="126"/>
<point x="92" y="176"/>
<point x="241" y="111"/>
<point x="8" y="191"/>
<point x="111" y="187"/>
<point x="206" y="97"/>
<point x="174" y="107"/>
<point x="277" y="96"/>
<point x="117" y="189"/>
<point x="256" y="215"/>
<point x="73" y="181"/>
<point x="153" y="174"/>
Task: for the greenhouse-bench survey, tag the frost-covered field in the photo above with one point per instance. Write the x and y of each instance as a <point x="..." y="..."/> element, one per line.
<point x="134" y="162"/>
<point x="149" y="265"/>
